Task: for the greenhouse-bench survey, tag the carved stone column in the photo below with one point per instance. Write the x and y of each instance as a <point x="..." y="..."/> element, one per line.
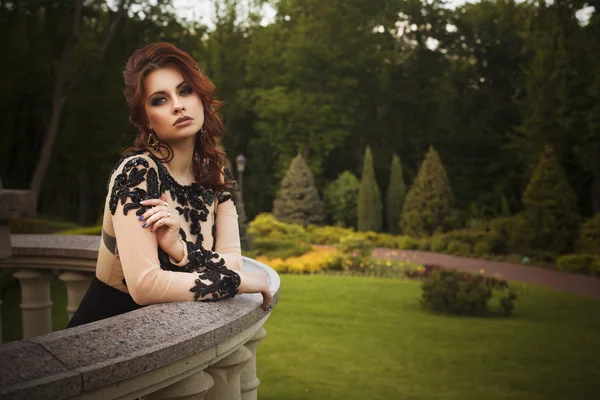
<point x="249" y="380"/>
<point x="226" y="374"/>
<point x="36" y="305"/>
<point x="77" y="284"/>
<point x="194" y="387"/>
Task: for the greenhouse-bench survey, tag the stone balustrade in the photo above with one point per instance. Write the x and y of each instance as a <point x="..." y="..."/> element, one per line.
<point x="187" y="350"/>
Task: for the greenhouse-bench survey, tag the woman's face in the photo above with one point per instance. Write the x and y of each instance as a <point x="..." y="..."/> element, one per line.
<point x="168" y="98"/>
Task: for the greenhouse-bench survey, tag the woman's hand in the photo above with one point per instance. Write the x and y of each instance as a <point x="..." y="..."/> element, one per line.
<point x="256" y="282"/>
<point x="163" y="220"/>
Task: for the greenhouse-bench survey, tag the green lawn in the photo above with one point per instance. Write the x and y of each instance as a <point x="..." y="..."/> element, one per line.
<point x="367" y="338"/>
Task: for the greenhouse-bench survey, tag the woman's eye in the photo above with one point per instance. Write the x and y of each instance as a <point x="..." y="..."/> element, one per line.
<point x="187" y="90"/>
<point x="157" y="101"/>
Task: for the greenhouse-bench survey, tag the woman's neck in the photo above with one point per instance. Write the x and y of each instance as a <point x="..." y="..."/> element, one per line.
<point x="181" y="166"/>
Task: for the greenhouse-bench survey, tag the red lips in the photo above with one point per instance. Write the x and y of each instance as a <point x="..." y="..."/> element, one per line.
<point x="180" y="119"/>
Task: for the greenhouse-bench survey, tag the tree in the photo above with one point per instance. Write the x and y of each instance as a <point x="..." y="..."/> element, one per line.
<point x="62" y="89"/>
<point x="341" y="198"/>
<point x="429" y="205"/>
<point x="369" y="198"/>
<point x="396" y="195"/>
<point x="298" y="200"/>
<point x="550" y="206"/>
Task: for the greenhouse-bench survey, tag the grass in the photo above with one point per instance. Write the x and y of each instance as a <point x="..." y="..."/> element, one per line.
<point x="357" y="338"/>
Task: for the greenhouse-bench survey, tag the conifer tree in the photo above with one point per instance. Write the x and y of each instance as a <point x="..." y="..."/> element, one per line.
<point x="341" y="197"/>
<point x="429" y="205"/>
<point x="369" y="207"/>
<point x="298" y="200"/>
<point x="550" y="206"/>
<point x="396" y="195"/>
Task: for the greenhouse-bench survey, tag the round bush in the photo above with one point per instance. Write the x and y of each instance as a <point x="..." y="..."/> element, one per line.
<point x="407" y="243"/>
<point x="455" y="292"/>
<point x="586" y="264"/>
<point x="424" y="244"/>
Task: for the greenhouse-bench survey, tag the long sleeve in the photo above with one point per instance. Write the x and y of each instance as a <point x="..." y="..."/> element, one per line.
<point x="227" y="237"/>
<point x="136" y="179"/>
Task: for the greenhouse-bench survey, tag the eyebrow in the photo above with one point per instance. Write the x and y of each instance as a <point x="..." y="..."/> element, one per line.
<point x="163" y="92"/>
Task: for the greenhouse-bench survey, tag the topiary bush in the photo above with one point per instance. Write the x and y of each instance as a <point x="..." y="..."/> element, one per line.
<point x="586" y="264"/>
<point x="482" y="249"/>
<point x="454" y="292"/>
<point x="278" y="248"/>
<point x="396" y="194"/>
<point x="369" y="208"/>
<point x="429" y="205"/>
<point x="407" y="243"/>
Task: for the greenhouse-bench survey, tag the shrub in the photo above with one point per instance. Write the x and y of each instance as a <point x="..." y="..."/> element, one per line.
<point x="313" y="261"/>
<point x="379" y="239"/>
<point x="298" y="200"/>
<point x="587" y="264"/>
<point x="89" y="230"/>
<point x="407" y="243"/>
<point x="454" y="292"/>
<point x="396" y="194"/>
<point x="429" y="205"/>
<point x="267" y="226"/>
<point x="39" y="226"/>
<point x="439" y="243"/>
<point x="369" y="209"/>
<point x="454" y="247"/>
<point x="482" y="248"/>
<point x="424" y="244"/>
<point x="423" y="271"/>
<point x="341" y="199"/>
<point x="279" y="248"/>
<point x="355" y="245"/>
<point x="589" y="236"/>
<point x="550" y="206"/>
<point x="326" y="234"/>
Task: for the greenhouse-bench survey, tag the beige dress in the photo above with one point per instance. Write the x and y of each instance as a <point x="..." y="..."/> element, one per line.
<point x="130" y="260"/>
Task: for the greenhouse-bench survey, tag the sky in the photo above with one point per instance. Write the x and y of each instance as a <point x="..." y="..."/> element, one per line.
<point x="202" y="10"/>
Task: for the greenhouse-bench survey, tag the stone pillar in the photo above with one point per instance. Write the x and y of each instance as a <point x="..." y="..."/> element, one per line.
<point x="226" y="374"/>
<point x="36" y="305"/>
<point x="249" y="380"/>
<point x="77" y="284"/>
<point x="0" y="321"/>
<point x="194" y="387"/>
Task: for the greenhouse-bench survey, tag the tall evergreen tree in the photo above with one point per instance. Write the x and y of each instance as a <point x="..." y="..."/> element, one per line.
<point x="298" y="200"/>
<point x="396" y="195"/>
<point x="429" y="205"/>
<point x="369" y="207"/>
<point x="550" y="206"/>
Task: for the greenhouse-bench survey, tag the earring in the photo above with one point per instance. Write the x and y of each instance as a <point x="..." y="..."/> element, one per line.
<point x="153" y="142"/>
<point x="202" y="130"/>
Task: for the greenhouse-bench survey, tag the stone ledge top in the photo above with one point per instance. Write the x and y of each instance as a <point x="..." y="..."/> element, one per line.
<point x="88" y="357"/>
<point x="71" y="246"/>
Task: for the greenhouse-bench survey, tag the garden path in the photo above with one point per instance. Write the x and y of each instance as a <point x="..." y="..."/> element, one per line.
<point x="579" y="284"/>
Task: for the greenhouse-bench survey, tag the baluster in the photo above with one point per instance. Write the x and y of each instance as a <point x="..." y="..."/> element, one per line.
<point x="226" y="374"/>
<point x="77" y="284"/>
<point x="249" y="380"/>
<point x="36" y="304"/>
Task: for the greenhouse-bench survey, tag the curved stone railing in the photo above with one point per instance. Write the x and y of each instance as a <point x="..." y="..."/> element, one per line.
<point x="163" y="351"/>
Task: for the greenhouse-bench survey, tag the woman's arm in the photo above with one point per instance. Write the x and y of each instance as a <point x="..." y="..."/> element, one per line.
<point x="147" y="283"/>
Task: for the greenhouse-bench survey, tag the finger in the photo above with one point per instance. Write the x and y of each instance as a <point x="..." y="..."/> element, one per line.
<point x="152" y="211"/>
<point x="154" y="202"/>
<point x="161" y="215"/>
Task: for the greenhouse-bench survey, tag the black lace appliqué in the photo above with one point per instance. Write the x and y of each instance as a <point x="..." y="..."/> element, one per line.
<point x="223" y="281"/>
<point x="125" y="186"/>
<point x="229" y="192"/>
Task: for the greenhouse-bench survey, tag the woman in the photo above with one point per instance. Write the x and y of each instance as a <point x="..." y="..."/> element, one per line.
<point x="170" y="228"/>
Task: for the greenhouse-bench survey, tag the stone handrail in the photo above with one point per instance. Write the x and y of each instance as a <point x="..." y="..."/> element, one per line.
<point x="162" y="351"/>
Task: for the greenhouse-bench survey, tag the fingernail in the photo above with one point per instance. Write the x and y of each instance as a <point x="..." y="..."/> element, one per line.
<point x="142" y="202"/>
<point x="141" y="217"/>
<point x="143" y="226"/>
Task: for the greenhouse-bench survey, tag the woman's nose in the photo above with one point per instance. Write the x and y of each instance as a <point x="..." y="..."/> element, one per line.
<point x="177" y="106"/>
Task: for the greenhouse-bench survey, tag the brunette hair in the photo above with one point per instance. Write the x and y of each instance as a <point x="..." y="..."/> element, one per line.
<point x="208" y="160"/>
